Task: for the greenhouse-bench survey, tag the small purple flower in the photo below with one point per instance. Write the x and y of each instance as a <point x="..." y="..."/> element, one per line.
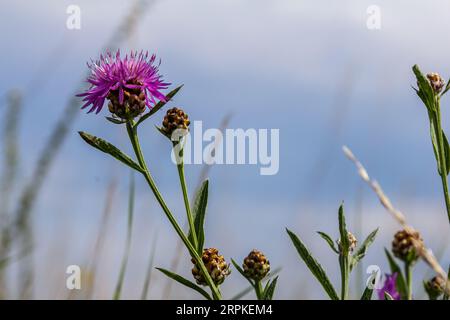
<point x="117" y="78"/>
<point x="389" y="287"/>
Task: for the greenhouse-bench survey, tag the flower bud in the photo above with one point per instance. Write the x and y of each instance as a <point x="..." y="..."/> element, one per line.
<point x="351" y="240"/>
<point x="216" y="265"/>
<point x="175" y="119"/>
<point x="132" y="106"/>
<point x="434" y="287"/>
<point x="256" y="266"/>
<point x="436" y="81"/>
<point x="404" y="245"/>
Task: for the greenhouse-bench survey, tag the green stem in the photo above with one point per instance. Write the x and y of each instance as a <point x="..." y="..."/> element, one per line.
<point x="123" y="267"/>
<point x="258" y="289"/>
<point x="408" y="276"/>
<point x="131" y="129"/>
<point x="442" y="160"/>
<point x="190" y="219"/>
<point x="345" y="271"/>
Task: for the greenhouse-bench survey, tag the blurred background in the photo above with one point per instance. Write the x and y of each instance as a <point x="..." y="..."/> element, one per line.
<point x="312" y="69"/>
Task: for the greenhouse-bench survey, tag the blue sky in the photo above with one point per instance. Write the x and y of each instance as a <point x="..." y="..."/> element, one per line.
<point x="309" y="68"/>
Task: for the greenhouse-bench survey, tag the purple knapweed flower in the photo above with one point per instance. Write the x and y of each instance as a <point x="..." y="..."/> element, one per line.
<point x="389" y="287"/>
<point x="129" y="83"/>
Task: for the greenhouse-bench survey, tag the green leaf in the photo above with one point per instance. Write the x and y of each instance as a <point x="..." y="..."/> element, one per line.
<point x="115" y="120"/>
<point x="401" y="283"/>
<point x="270" y="289"/>
<point x="387" y="296"/>
<point x="185" y="282"/>
<point x="434" y="141"/>
<point x="199" y="213"/>
<point x="446" y="153"/>
<point x="159" y="105"/>
<point x="425" y="91"/>
<point x="345" y="244"/>
<point x="367" y="294"/>
<point x="239" y="269"/>
<point x="446" y="295"/>
<point x="250" y="288"/>
<point x="361" y="252"/>
<point x="447" y="87"/>
<point x="328" y="239"/>
<point x="313" y="266"/>
<point x="110" y="149"/>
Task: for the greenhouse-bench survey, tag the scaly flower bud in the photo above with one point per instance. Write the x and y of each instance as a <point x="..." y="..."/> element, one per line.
<point x="436" y="81"/>
<point x="175" y="119"/>
<point x="434" y="287"/>
<point x="133" y="103"/>
<point x="256" y="266"/>
<point x="403" y="245"/>
<point x="216" y="265"/>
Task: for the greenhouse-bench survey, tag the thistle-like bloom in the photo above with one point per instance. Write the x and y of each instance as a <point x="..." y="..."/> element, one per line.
<point x="129" y="83"/>
<point x="389" y="287"/>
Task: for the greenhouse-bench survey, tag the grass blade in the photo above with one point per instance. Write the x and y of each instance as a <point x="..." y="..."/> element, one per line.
<point x="123" y="268"/>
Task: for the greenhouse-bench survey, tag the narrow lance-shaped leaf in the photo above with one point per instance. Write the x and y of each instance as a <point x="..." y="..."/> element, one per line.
<point x="250" y="288"/>
<point x="115" y="120"/>
<point x="159" y="105"/>
<point x="446" y="153"/>
<point x="343" y="231"/>
<point x="328" y="239"/>
<point x="313" y="266"/>
<point x="387" y="296"/>
<point x="185" y="282"/>
<point x="400" y="284"/>
<point x="434" y="141"/>
<point x="361" y="252"/>
<point x="110" y="149"/>
<point x="199" y="213"/>
<point x="270" y="290"/>
<point x="239" y="269"/>
<point x="367" y="294"/>
<point x="424" y="88"/>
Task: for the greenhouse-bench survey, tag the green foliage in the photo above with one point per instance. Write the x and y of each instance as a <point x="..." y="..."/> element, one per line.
<point x="315" y="268"/>
<point x="110" y="149"/>
<point x="159" y="105"/>
<point x="395" y="268"/>
<point x="185" y="282"/>
<point x="199" y="213"/>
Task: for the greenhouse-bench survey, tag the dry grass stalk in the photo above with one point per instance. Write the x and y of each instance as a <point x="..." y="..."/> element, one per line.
<point x="421" y="249"/>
